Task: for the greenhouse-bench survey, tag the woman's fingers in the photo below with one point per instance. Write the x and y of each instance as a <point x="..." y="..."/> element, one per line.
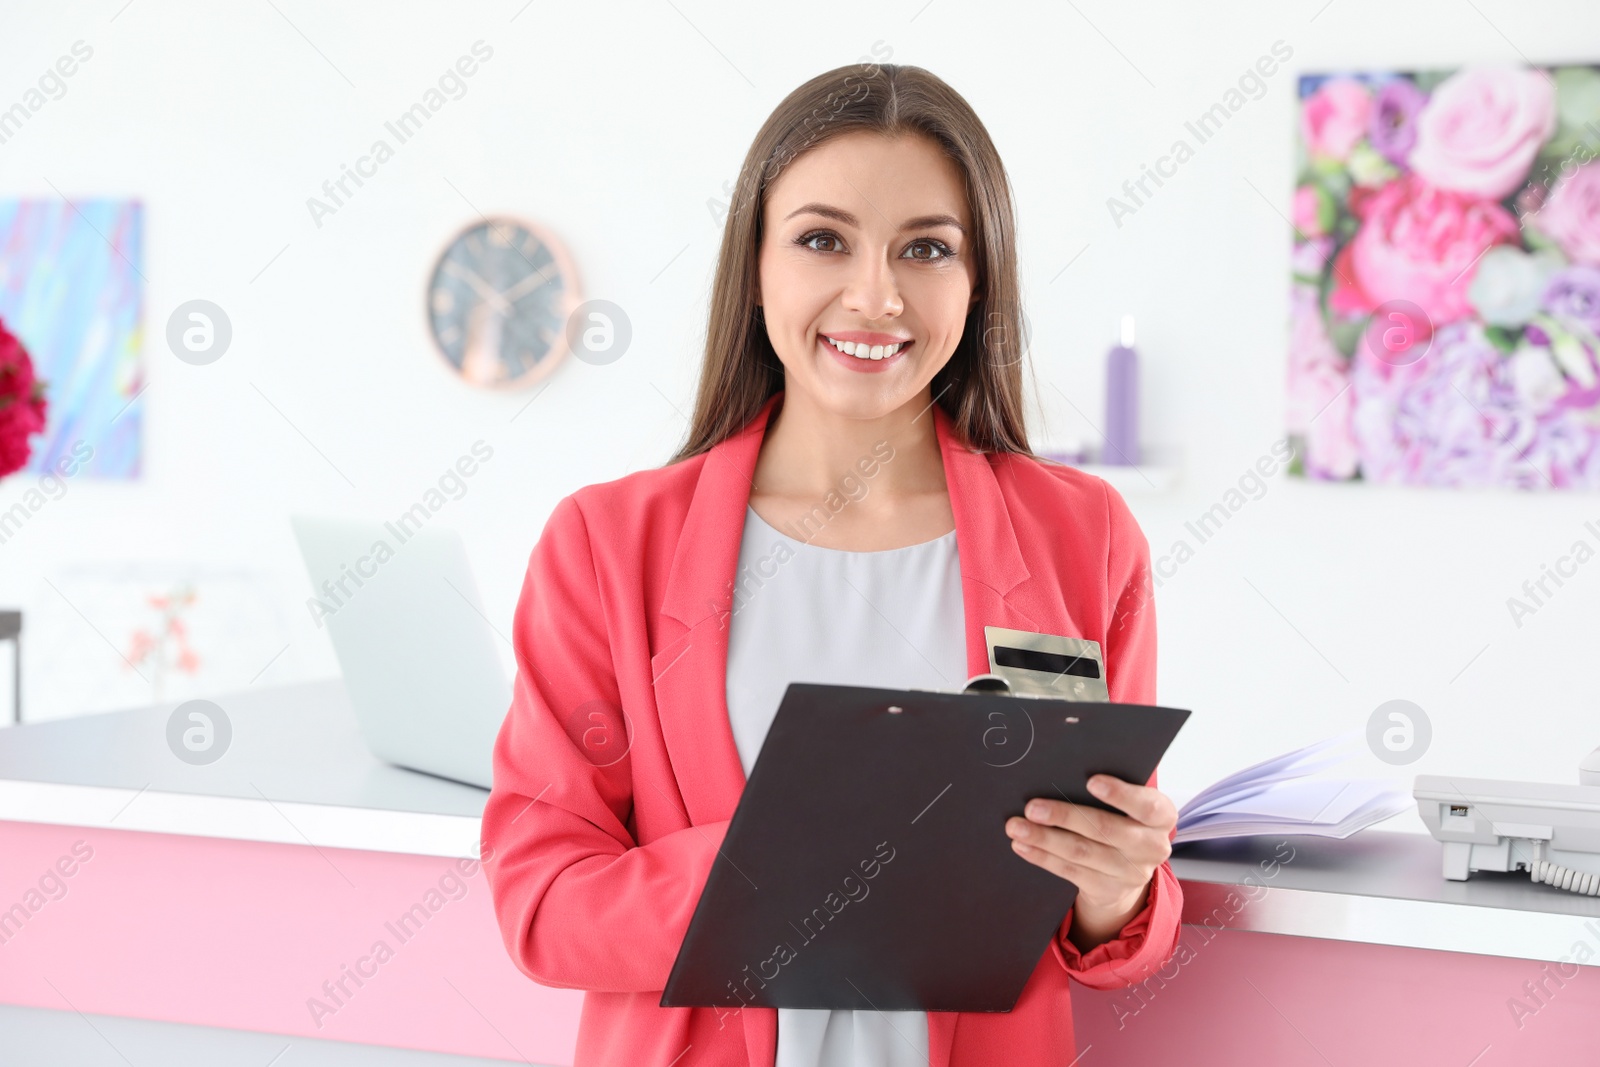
<point x="1093" y="883"/>
<point x="1118" y="831"/>
<point x="1107" y="855"/>
<point x="1145" y="805"/>
<point x="1061" y="847"/>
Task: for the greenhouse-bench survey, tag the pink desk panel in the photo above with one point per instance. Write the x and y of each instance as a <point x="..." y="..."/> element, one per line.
<point x="400" y="950"/>
<point x="344" y="945"/>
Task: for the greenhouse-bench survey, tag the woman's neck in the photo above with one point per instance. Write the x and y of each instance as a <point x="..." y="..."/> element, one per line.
<point x="849" y="483"/>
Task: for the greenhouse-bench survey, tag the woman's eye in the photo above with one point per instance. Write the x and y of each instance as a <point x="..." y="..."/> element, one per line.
<point x="809" y="241"/>
<point x="938" y="250"/>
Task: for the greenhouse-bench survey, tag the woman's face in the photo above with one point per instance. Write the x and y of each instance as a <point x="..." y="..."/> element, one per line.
<point x="865" y="242"/>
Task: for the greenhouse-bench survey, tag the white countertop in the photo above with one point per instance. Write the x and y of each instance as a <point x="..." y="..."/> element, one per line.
<point x="296" y="772"/>
<point x="1380" y="888"/>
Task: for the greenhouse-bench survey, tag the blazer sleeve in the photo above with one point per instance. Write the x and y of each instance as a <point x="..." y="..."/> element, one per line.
<point x="1149" y="939"/>
<point x="580" y="904"/>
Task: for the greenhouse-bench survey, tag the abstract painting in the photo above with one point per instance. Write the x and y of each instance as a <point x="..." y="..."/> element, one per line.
<point x="71" y="289"/>
<point x="1445" y="294"/>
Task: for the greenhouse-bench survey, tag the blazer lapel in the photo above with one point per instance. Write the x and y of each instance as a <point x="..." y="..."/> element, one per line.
<point x="690" y="668"/>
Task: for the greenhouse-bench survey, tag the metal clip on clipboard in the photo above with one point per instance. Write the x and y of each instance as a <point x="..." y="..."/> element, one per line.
<point x="1027" y="664"/>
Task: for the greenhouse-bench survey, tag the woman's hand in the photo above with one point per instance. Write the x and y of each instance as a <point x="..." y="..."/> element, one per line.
<point x="1109" y="857"/>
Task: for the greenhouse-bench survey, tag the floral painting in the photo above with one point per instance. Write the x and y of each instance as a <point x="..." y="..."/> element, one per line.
<point x="1445" y="293"/>
<point x="72" y="291"/>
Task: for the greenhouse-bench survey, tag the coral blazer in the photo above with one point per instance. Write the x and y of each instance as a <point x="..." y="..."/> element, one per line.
<point x="616" y="772"/>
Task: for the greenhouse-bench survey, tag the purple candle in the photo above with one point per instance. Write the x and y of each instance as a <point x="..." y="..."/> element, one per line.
<point x="1122" y="401"/>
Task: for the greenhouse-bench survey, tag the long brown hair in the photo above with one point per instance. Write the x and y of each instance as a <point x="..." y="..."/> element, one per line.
<point x="981" y="385"/>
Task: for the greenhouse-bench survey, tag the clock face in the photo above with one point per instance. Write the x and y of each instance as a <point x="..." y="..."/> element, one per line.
<point x="498" y="302"/>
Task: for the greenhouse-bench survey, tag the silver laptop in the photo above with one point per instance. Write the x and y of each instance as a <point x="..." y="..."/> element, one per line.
<point x="417" y="652"/>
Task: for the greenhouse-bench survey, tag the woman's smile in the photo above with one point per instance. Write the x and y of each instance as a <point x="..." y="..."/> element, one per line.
<point x="865" y="352"/>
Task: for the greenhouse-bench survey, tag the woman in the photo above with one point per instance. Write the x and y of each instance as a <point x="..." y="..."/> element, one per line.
<point x="857" y="466"/>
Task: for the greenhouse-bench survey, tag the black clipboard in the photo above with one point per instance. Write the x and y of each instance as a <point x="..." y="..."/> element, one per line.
<point x="867" y="866"/>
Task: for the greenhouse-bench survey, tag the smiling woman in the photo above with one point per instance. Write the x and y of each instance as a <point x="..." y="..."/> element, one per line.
<point x="812" y="197"/>
<point x="865" y="308"/>
<point x="914" y="273"/>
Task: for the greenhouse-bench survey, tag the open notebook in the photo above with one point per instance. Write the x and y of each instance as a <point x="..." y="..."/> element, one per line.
<point x="1279" y="796"/>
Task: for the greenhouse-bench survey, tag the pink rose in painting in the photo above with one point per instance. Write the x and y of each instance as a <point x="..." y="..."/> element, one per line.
<point x="1334" y="118"/>
<point x="1420" y="244"/>
<point x="1482" y="127"/>
<point x="1319" y="402"/>
<point x="1571" y="216"/>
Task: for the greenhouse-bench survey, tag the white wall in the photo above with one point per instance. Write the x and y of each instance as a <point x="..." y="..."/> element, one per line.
<point x="615" y="123"/>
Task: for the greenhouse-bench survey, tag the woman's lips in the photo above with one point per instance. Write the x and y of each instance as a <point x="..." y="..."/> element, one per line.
<point x="864" y="366"/>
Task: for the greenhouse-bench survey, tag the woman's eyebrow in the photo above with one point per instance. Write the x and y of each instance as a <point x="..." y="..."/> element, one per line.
<point x="842" y="216"/>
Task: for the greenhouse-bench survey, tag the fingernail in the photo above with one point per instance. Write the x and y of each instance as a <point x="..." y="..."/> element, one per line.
<point x="1097" y="786"/>
<point x="1036" y="810"/>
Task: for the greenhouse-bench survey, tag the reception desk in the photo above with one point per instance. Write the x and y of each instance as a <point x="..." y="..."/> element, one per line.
<point x="299" y="892"/>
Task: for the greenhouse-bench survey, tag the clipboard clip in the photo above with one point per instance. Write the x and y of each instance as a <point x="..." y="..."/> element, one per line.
<point x="985" y="683"/>
<point x="978" y="683"/>
<point x="1051" y="666"/>
<point x="1024" y="663"/>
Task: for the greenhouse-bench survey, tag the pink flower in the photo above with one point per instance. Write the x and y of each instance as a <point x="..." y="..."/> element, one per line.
<point x="23" y="406"/>
<point x="1571" y="215"/>
<point x="1481" y="129"/>
<point x="1335" y="117"/>
<point x="1421" y="244"/>
<point x="1397" y="337"/>
<point x="1312" y="211"/>
<point x="1319" y="400"/>
<point x="1330" y="441"/>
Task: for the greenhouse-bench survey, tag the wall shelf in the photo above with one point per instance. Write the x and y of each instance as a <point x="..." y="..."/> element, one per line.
<point x="1156" y="472"/>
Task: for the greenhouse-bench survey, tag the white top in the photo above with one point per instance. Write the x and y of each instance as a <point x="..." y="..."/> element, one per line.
<point x="803" y="613"/>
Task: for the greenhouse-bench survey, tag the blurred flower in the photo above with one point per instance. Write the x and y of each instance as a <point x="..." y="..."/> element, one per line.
<point x="1539" y="382"/>
<point x="1313" y="210"/>
<point x="1319" y="397"/>
<point x="22" y="403"/>
<point x="1571" y="215"/>
<point x="1481" y="129"/>
<point x="1397" y="335"/>
<point x="1418" y="243"/>
<point x="1310" y="258"/>
<point x="1459" y="418"/>
<point x="1509" y="284"/>
<point x="1368" y="168"/>
<point x="1392" y="126"/>
<point x="1574" y="351"/>
<point x="1334" y="118"/>
<point x="1573" y="296"/>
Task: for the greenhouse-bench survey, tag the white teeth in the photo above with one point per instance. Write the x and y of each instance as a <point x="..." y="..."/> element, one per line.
<point x="850" y="348"/>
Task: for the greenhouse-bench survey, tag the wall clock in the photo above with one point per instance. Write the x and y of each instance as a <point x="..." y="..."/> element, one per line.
<point x="498" y="300"/>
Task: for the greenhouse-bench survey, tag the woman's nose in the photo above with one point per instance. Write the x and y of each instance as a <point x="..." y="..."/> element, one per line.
<point x="873" y="292"/>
